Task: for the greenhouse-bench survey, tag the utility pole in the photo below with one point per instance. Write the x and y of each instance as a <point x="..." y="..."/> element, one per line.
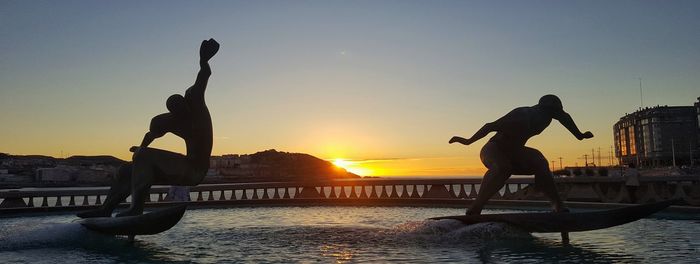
<point x="553" y="164"/>
<point x="619" y="159"/>
<point x="593" y="157"/>
<point x="561" y="167"/>
<point x="599" y="163"/>
<point x="585" y="157"/>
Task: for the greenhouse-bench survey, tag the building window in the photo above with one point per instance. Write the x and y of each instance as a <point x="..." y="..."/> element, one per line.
<point x="646" y="135"/>
<point x="657" y="138"/>
<point x="623" y="142"/>
<point x="632" y="140"/>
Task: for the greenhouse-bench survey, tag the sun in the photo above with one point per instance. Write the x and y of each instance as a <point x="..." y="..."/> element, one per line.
<point x="342" y="163"/>
<point x="351" y="166"/>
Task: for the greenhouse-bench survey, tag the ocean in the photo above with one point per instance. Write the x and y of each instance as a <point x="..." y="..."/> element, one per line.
<point x="344" y="235"/>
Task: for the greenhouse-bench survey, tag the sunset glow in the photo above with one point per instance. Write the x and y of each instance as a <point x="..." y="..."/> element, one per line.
<point x="383" y="95"/>
<point x="342" y="163"/>
<point x="353" y="167"/>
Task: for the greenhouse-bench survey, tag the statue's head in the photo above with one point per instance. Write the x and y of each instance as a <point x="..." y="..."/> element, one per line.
<point x="177" y="105"/>
<point x="551" y="104"/>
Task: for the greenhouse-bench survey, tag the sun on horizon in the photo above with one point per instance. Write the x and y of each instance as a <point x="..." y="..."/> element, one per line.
<point x="352" y="166"/>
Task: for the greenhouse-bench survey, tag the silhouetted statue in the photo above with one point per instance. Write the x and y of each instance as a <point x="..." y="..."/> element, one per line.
<point x="506" y="154"/>
<point x="188" y="118"/>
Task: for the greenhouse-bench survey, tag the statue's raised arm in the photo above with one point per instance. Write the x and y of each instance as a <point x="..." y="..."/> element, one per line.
<point x="207" y="50"/>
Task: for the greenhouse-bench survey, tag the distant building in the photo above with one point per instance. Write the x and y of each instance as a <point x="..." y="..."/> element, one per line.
<point x="60" y="173"/>
<point x="64" y="173"/>
<point x="9" y="178"/>
<point x="656" y="136"/>
<point x="230" y="161"/>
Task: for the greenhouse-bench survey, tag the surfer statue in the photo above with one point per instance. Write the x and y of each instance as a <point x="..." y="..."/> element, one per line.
<point x="187" y="117"/>
<point x="505" y="153"/>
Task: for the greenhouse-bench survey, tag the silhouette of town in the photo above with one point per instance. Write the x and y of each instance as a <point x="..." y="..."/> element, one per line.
<point x="265" y="166"/>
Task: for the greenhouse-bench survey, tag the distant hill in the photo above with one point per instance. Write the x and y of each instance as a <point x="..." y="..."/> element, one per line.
<point x="93" y="160"/>
<point x="264" y="166"/>
<point x="273" y="166"/>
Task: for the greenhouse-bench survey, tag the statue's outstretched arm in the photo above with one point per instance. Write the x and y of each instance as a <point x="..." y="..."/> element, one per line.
<point x="481" y="133"/>
<point x="147" y="139"/>
<point x="505" y="123"/>
<point x="158" y="128"/>
<point x="566" y="120"/>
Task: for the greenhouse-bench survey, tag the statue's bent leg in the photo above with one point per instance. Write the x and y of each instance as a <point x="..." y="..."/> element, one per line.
<point x="499" y="170"/>
<point x="535" y="163"/>
<point x="154" y="165"/>
<point x="138" y="199"/>
<point x="120" y="189"/>
<point x="141" y="180"/>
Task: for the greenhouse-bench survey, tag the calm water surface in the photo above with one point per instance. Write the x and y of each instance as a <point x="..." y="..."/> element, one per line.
<point x="344" y="235"/>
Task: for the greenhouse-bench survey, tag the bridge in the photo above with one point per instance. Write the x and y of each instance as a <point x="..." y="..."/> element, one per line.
<point x="452" y="192"/>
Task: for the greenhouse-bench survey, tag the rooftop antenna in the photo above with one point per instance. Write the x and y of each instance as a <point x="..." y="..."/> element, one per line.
<point x="641" y="98"/>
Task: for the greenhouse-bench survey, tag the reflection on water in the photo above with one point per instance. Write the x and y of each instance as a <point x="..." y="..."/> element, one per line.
<point x="343" y="235"/>
<point x="339" y="253"/>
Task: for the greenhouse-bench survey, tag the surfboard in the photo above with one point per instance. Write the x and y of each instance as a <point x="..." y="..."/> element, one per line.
<point x="146" y="224"/>
<point x="566" y="222"/>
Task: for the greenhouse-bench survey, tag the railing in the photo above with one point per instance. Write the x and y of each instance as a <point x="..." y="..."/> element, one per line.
<point x="590" y="189"/>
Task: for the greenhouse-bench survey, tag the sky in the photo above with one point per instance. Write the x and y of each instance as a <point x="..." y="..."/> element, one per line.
<point x="381" y="85"/>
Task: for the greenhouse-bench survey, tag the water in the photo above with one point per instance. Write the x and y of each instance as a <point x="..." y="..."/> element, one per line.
<point x="343" y="235"/>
